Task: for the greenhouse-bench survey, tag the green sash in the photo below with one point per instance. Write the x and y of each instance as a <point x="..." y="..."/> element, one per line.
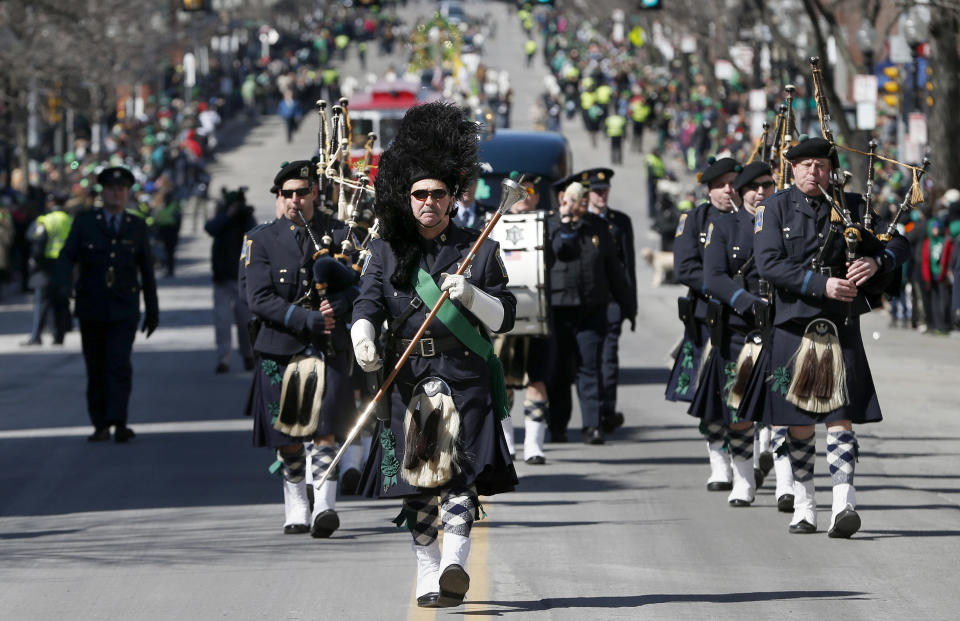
<point x="461" y="328"/>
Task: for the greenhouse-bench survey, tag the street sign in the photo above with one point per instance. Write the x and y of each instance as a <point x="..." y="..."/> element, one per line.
<point x="758" y="100"/>
<point x="917" y="127"/>
<point x="865" y="88"/>
<point x="866" y="115"/>
<point x="899" y="50"/>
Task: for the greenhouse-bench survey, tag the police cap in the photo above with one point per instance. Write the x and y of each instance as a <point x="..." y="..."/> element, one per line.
<point x="809" y="147"/>
<point x="717" y="168"/>
<point x="596" y="178"/>
<point x="115" y="175"/>
<point x="561" y="184"/>
<point x="751" y="172"/>
<point x="298" y="169"/>
<point x="516" y="175"/>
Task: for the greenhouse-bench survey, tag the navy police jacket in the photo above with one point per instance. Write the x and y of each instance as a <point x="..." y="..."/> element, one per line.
<point x="789" y="232"/>
<point x="688" y="245"/>
<point x="621" y="229"/>
<point x="587" y="271"/>
<point x="379" y="300"/>
<point x="728" y="250"/>
<point x="113" y="267"/>
<point x="278" y="272"/>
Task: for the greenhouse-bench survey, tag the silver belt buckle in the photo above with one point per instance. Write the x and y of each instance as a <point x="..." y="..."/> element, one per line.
<point x="427" y="348"/>
<point x="826" y="271"/>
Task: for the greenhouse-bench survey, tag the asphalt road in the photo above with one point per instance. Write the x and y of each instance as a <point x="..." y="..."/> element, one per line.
<point x="185" y="522"/>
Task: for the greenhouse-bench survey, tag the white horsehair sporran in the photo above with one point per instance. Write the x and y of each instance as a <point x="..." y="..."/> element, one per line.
<point x="301" y="396"/>
<point x="819" y="383"/>
<point x="431" y="426"/>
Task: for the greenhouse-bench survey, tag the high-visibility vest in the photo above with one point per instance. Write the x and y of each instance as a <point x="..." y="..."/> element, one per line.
<point x="604" y="94"/>
<point x="615" y="125"/>
<point x="587" y="99"/>
<point x="656" y="166"/>
<point x="57" y="225"/>
<point x="530" y="47"/>
<point x="639" y="111"/>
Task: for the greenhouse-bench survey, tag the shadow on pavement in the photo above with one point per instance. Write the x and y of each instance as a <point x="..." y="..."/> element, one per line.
<point x="634" y="601"/>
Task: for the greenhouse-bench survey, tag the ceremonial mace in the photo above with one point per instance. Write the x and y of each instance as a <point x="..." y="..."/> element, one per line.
<point x="512" y="192"/>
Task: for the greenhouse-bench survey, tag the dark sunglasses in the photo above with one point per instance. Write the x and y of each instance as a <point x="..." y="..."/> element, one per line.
<point x="766" y="185"/>
<point x="301" y="192"/>
<point x="421" y="195"/>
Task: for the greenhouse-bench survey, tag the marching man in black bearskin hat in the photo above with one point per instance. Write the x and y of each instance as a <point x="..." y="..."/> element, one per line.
<point x="818" y="366"/>
<point x="441" y="444"/>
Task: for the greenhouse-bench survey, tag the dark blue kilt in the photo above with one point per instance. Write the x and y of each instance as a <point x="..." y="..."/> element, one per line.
<point x="484" y="459"/>
<point x="753" y="404"/>
<point x="337" y="409"/>
<point x="710" y="401"/>
<point x="862" y="406"/>
<point x="683" y="377"/>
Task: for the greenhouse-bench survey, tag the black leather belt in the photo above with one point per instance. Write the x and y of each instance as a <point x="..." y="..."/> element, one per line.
<point x="430" y="347"/>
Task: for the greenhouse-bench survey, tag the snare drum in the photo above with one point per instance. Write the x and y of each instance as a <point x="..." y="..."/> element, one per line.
<point x="523" y="238"/>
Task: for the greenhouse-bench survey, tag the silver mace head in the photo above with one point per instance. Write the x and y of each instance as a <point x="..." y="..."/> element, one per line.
<point x="511" y="192"/>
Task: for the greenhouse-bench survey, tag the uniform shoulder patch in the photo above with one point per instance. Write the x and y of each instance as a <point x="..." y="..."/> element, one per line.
<point x="246" y="251"/>
<point x="758" y="220"/>
<point x="681" y="225"/>
<point x="709" y="235"/>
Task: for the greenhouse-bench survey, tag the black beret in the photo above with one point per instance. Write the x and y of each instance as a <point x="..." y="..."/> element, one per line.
<point x="810" y="147"/>
<point x="298" y="169"/>
<point x="115" y="175"/>
<point x="751" y="172"/>
<point x="595" y="178"/>
<point x="717" y="168"/>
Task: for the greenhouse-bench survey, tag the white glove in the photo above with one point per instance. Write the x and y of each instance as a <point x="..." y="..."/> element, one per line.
<point x="484" y="306"/>
<point x="458" y="287"/>
<point x="362" y="334"/>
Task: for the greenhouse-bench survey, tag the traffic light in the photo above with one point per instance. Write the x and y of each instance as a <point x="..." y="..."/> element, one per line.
<point x="888" y="83"/>
<point x="649" y="5"/>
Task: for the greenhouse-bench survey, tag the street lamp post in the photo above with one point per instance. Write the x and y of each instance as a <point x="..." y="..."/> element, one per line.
<point x="914" y="31"/>
<point x="867" y="41"/>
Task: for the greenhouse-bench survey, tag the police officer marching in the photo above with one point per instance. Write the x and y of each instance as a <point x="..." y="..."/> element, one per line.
<point x="597" y="181"/>
<point x="690" y="240"/>
<point x="112" y="251"/>
<point x="730" y="278"/>
<point x="585" y="277"/>
<point x="302" y="389"/>
<point x="819" y="369"/>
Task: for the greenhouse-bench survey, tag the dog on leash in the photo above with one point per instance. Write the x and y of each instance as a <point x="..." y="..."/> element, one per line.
<point x="660" y="261"/>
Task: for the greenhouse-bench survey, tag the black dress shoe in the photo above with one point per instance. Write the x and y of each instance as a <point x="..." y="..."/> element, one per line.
<point x="758" y="477"/>
<point x="536" y="460"/>
<point x="222" y="368"/>
<point x="785" y="503"/>
<point x="592" y="435"/>
<point x="428" y="600"/>
<point x="454" y="583"/>
<point x="719" y="486"/>
<point x="295" y="529"/>
<point x="803" y="527"/>
<point x="123" y="434"/>
<point x="611" y="423"/>
<point x="100" y="435"/>
<point x="766" y="462"/>
<point x="325" y="524"/>
<point x="847" y="523"/>
<point x="349" y="482"/>
<point x="739" y="502"/>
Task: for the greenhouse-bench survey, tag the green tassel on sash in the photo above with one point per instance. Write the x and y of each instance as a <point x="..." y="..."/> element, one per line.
<point x="781" y="380"/>
<point x="389" y="465"/>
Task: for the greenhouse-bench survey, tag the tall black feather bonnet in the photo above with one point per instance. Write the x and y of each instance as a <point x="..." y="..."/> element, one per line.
<point x="434" y="141"/>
